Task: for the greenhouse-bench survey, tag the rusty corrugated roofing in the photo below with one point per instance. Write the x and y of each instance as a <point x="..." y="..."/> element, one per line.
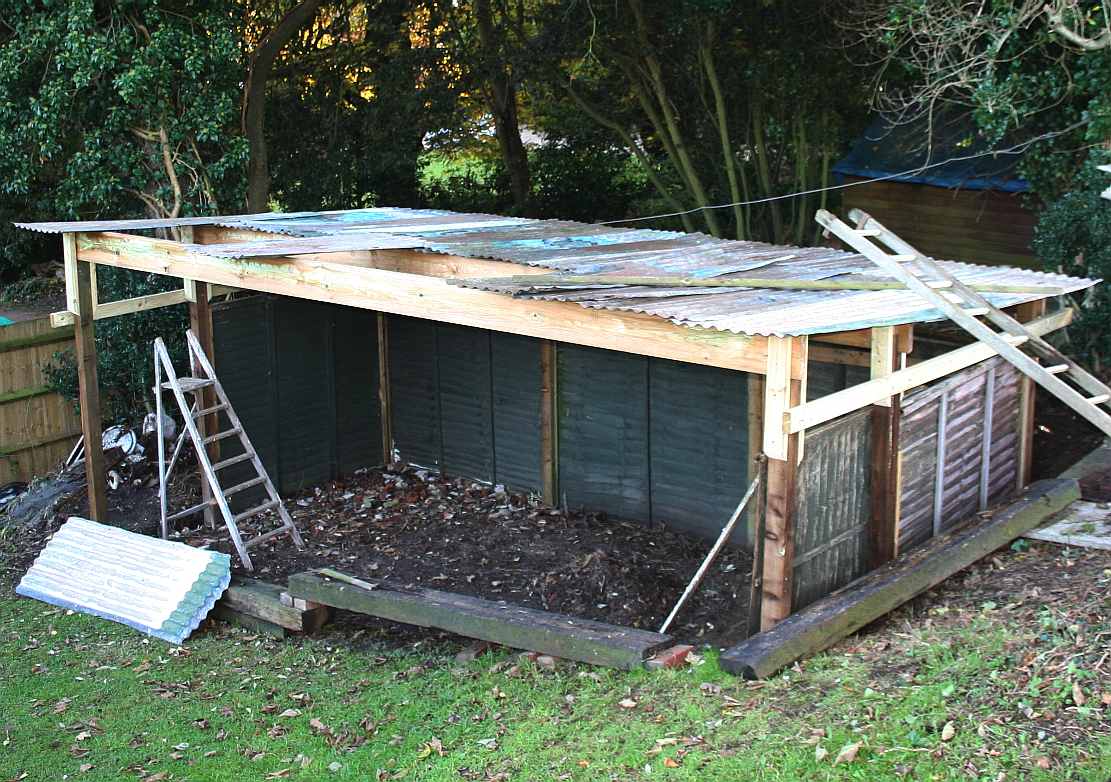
<point x="584" y="249"/>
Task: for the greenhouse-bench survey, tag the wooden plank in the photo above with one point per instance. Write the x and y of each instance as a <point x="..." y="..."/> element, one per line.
<point x="521" y="628"/>
<point x="985" y="439"/>
<point x="939" y="476"/>
<point x="262" y="601"/>
<point x="818" y="411"/>
<point x="832" y="618"/>
<point x="548" y="427"/>
<point x="840" y="284"/>
<point x="1027" y="314"/>
<point x="51" y="337"/>
<point x="89" y="393"/>
<point x="862" y="338"/>
<point x="113" y="309"/>
<point x="782" y="450"/>
<point x="69" y="264"/>
<point x="200" y="322"/>
<point x="426" y="297"/>
<point x="885" y="449"/>
<point x="755" y="419"/>
<point x="385" y="404"/>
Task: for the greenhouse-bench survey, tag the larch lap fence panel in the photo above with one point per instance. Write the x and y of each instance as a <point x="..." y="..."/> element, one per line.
<point x="833" y="507"/>
<point x="303" y="378"/>
<point x="978" y="226"/>
<point x="944" y="424"/>
<point x="637" y="438"/>
<point x="38" y="427"/>
<point x="466" y="401"/>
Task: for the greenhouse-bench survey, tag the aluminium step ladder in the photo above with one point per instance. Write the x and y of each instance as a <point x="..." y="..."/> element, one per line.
<point x="204" y="377"/>
<point x="1061" y="376"/>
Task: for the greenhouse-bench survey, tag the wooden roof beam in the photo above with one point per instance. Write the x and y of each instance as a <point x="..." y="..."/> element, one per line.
<point x="421" y="296"/>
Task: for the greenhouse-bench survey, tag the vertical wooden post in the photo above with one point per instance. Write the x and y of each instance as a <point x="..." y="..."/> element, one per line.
<point x="88" y="389"/>
<point x="200" y="322"/>
<point x="1027" y="395"/>
<point x="549" y="474"/>
<point x="782" y="450"/>
<point x="384" y="399"/>
<point x="755" y="444"/>
<point x="885" y="451"/>
<point x="985" y="438"/>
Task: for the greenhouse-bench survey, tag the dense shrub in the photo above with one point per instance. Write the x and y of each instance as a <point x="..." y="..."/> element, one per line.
<point x="1073" y="236"/>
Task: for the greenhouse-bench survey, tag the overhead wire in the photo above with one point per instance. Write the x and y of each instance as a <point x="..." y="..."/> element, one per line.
<point x="1017" y="149"/>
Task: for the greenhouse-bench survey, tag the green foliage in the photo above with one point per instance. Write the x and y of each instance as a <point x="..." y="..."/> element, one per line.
<point x="123" y="344"/>
<point x="95" y="95"/>
<point x="117" y="109"/>
<point x="1073" y="236"/>
<point x="351" y="109"/>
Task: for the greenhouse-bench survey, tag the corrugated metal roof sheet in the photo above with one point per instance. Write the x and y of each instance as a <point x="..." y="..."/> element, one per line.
<point x="159" y="587"/>
<point x="583" y="249"/>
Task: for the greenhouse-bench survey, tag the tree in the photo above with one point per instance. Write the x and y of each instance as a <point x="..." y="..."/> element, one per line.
<point x="272" y="38"/>
<point x="768" y="123"/>
<point x="1023" y="71"/>
<point x="120" y="109"/>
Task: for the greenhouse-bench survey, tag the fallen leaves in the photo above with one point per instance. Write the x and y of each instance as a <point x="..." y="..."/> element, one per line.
<point x="61" y="706"/>
<point x="948" y="731"/>
<point x="289" y="714"/>
<point x="433" y="745"/>
<point x="1078" y="694"/>
<point x="847" y="754"/>
<point x="627" y="703"/>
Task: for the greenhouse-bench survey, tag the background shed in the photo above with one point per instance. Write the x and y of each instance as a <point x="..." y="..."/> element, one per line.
<point x="966" y="210"/>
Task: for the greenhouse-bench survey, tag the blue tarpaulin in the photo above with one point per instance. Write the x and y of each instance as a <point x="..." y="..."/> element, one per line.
<point x="954" y="156"/>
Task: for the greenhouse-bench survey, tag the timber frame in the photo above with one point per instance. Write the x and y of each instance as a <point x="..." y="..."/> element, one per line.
<point x="411" y="282"/>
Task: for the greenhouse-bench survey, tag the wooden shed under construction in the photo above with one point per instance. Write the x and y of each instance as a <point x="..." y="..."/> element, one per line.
<point x="639" y="372"/>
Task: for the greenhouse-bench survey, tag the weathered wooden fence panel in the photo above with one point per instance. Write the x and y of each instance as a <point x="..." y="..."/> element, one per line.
<point x="833" y="507"/>
<point x="945" y="424"/>
<point x="38" y="427"/>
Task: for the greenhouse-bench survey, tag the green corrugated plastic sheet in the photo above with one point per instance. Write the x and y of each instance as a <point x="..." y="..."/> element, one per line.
<point x="159" y="587"/>
<point x="303" y="378"/>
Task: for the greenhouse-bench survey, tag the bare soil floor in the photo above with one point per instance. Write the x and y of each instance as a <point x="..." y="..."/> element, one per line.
<point x="413" y="527"/>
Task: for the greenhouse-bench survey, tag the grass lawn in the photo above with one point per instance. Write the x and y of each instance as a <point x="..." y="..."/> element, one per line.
<point x="955" y="687"/>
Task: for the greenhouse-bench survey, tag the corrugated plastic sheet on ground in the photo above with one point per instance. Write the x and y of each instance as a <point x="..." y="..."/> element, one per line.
<point x="158" y="587"/>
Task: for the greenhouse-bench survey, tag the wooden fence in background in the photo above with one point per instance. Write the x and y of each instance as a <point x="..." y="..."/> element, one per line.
<point x="38" y="427"/>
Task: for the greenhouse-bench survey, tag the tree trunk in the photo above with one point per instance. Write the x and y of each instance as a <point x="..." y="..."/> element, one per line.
<point x="502" y="102"/>
<point x="254" y="99"/>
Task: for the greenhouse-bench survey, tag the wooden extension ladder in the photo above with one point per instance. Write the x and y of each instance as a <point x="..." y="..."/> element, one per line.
<point x="1060" y="376"/>
<point x="203" y="377"/>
